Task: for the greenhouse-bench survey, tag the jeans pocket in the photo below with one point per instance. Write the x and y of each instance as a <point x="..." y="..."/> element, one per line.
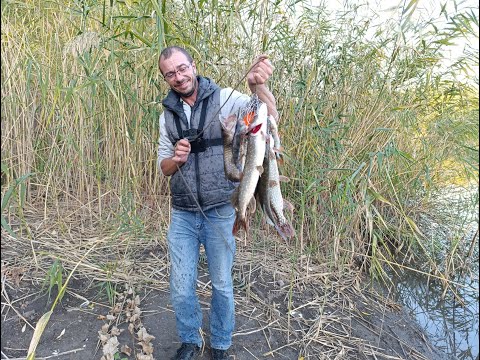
<point x="224" y="212"/>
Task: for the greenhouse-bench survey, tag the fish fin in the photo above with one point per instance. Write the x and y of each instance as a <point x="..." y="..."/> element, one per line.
<point x="285" y="230"/>
<point x="272" y="183"/>
<point x="283" y="178"/>
<point x="239" y="223"/>
<point x="278" y="150"/>
<point x="280" y="159"/>
<point x="236" y="226"/>
<point x="252" y="205"/>
<point x="260" y="169"/>
<point x="288" y="205"/>
<point x="248" y="118"/>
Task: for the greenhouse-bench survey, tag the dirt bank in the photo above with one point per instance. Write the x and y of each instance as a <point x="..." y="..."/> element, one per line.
<point x="283" y="311"/>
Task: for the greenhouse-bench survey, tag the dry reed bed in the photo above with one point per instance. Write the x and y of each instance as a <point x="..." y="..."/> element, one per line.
<point x="365" y="128"/>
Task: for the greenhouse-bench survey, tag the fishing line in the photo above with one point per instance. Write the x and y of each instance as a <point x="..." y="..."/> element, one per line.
<point x="205" y="216"/>
<point x="195" y="137"/>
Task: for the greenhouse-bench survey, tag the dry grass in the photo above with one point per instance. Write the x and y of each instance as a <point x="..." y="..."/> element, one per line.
<point x="316" y="308"/>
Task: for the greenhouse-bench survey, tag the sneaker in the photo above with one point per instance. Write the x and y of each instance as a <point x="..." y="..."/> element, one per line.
<point x="218" y="354"/>
<point x="187" y="352"/>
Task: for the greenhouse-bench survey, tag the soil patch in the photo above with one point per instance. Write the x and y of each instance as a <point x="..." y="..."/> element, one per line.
<point x="288" y="305"/>
<point x="275" y="318"/>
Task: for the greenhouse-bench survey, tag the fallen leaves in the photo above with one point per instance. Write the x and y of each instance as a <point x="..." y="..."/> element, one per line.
<point x="126" y="309"/>
<point x="144" y="336"/>
<point x="12" y="273"/>
<point x="61" y="334"/>
<point x="110" y="348"/>
<point x="126" y="350"/>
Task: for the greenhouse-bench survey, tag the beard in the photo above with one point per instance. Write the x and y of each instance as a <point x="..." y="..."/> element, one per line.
<point x="189" y="92"/>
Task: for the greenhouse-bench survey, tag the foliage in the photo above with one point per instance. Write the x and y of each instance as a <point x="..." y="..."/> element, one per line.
<point x="11" y="190"/>
<point x="54" y="277"/>
<point x="372" y="121"/>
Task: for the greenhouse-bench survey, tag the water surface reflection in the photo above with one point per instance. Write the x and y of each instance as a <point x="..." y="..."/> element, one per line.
<point x="451" y="319"/>
<point x="451" y="327"/>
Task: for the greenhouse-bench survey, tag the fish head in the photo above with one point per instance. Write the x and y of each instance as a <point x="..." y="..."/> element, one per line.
<point x="256" y="121"/>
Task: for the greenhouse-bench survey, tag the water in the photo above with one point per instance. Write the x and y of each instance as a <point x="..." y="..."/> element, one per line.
<point x="451" y="321"/>
<point x="451" y="327"/>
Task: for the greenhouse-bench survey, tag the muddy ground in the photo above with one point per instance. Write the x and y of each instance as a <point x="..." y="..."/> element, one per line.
<point x="318" y="316"/>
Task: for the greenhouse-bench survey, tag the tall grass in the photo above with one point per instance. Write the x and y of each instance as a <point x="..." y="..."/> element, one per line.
<point x="371" y="124"/>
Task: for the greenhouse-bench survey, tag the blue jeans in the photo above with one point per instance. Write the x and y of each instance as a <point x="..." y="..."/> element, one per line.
<point x="187" y="231"/>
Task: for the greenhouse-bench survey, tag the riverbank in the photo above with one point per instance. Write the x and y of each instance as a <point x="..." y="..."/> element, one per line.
<point x="288" y="306"/>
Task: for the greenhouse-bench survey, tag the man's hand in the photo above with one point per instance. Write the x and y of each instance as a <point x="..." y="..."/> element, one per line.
<point x="258" y="75"/>
<point x="182" y="150"/>
<point x="170" y="166"/>
<point x="260" y="72"/>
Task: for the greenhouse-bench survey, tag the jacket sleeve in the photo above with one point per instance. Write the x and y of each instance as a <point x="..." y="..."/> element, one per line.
<point x="234" y="101"/>
<point x="165" y="147"/>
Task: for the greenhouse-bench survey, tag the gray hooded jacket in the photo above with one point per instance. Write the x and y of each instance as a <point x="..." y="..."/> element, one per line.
<point x="202" y="178"/>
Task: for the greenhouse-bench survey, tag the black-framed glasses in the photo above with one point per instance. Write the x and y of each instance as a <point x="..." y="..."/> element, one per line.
<point x="182" y="69"/>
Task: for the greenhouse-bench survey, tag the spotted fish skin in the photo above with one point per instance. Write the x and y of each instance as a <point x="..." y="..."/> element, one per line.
<point x="243" y="197"/>
<point x="268" y="192"/>
<point x="232" y="172"/>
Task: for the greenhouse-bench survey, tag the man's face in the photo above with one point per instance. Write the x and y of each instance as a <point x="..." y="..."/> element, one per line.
<point x="179" y="73"/>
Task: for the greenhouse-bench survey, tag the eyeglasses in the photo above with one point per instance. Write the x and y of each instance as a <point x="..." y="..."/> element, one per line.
<point x="182" y="69"/>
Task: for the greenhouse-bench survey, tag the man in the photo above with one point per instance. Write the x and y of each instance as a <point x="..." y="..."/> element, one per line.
<point x="191" y="152"/>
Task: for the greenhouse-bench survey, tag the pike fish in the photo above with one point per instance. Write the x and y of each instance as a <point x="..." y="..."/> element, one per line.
<point x="268" y="193"/>
<point x="255" y="138"/>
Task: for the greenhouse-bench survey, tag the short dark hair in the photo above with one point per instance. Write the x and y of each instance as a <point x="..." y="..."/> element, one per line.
<point x="168" y="51"/>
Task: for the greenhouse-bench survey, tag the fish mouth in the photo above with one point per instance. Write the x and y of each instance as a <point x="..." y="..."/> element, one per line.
<point x="255" y="129"/>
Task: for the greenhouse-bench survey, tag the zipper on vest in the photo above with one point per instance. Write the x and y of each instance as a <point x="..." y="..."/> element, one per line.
<point x="197" y="171"/>
<point x="197" y="165"/>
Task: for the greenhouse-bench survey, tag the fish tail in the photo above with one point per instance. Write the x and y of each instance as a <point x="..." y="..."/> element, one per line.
<point x="286" y="230"/>
<point x="239" y="223"/>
